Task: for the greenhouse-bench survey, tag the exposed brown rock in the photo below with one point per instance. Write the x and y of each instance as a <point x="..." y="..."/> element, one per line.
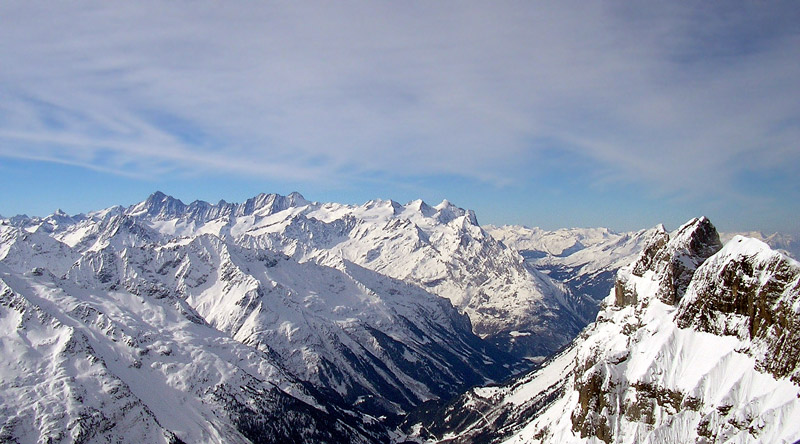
<point x="673" y="261"/>
<point x="752" y="299"/>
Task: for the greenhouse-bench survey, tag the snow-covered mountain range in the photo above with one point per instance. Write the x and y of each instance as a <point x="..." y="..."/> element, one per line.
<point x="586" y="260"/>
<point x="205" y="322"/>
<point x="283" y="320"/>
<point x="697" y="343"/>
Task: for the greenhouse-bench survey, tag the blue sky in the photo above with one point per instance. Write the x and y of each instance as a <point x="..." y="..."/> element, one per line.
<point x="551" y="114"/>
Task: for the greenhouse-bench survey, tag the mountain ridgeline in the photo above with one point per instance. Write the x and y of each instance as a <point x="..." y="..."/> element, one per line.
<point x="273" y="320"/>
<point x="284" y="320"/>
<point x="697" y="343"/>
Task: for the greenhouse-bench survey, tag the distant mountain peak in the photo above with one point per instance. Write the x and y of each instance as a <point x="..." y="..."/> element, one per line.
<point x="297" y="198"/>
<point x="444" y="204"/>
<point x="157" y="195"/>
<point x="422" y="207"/>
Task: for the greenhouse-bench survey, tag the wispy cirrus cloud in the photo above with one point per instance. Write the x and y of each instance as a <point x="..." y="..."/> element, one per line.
<point x="672" y="97"/>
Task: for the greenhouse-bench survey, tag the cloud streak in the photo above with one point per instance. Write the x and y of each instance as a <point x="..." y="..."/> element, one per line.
<point x="670" y="97"/>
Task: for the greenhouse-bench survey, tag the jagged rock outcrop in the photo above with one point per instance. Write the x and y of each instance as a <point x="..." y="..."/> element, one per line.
<point x="672" y="259"/>
<point x="676" y="270"/>
<point x="750" y="292"/>
<point x="696" y="344"/>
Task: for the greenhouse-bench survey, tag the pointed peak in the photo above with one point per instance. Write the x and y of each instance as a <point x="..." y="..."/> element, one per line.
<point x="422" y="207"/>
<point x="59" y="217"/>
<point x="695" y="221"/>
<point x="473" y="218"/>
<point x="159" y="205"/>
<point x="157" y="196"/>
<point x="698" y="237"/>
<point x="447" y="212"/>
<point x="445" y="204"/>
<point x="673" y="259"/>
<point x="297" y="199"/>
<point x="382" y="203"/>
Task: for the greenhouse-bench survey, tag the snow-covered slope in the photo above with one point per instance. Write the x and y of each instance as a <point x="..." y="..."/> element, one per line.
<point x="586" y="260"/>
<point x="379" y="343"/>
<point x="106" y="365"/>
<point x="440" y="249"/>
<point x="786" y="243"/>
<point x="561" y="243"/>
<point x="258" y="321"/>
<point x="697" y="343"/>
<point x="259" y="274"/>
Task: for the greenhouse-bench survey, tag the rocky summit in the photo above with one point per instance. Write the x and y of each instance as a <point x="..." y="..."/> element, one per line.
<point x="697" y="343"/>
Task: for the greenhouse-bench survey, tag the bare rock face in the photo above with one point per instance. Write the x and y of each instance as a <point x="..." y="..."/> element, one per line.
<point x="698" y="343"/>
<point x="673" y="261"/>
<point x="744" y="290"/>
<point x="594" y="385"/>
<point x="750" y="292"/>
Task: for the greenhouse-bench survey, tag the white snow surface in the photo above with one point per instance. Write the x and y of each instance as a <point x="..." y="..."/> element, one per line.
<point x="81" y="363"/>
<point x="658" y="383"/>
<point x="439" y="248"/>
<point x="785" y="243"/>
<point x="587" y="250"/>
<point x="180" y="311"/>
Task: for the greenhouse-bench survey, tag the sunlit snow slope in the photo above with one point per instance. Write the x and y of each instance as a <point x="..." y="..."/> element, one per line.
<point x="272" y="320"/>
<point x="697" y="343"/>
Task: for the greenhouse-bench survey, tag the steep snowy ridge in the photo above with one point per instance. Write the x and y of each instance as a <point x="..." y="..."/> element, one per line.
<point x="697" y="343"/>
<point x="275" y="320"/>
<point x="440" y="248"/>
<point x="785" y="243"/>
<point x="162" y="207"/>
<point x="586" y="260"/>
<point x="750" y="291"/>
<point x="93" y="366"/>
